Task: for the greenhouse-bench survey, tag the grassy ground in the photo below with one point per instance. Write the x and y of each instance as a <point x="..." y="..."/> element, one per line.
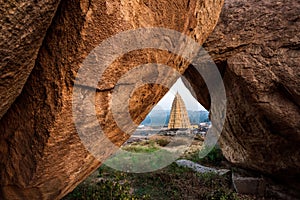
<point x="172" y="182"/>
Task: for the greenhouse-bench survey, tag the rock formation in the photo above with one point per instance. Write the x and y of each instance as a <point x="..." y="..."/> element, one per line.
<point x="41" y="155"/>
<point x="178" y="117"/>
<point x="256" y="47"/>
<point x="23" y="27"/>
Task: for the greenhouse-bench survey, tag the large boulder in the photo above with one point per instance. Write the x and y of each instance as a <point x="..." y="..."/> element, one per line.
<point x="256" y="47"/>
<point x="23" y="27"/>
<point x="41" y="154"/>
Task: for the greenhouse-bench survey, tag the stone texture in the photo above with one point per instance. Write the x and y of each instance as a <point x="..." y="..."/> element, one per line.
<point x="178" y="117"/>
<point x="200" y="168"/>
<point x="248" y="184"/>
<point x="256" y="47"/>
<point x="23" y="27"/>
<point x="41" y="155"/>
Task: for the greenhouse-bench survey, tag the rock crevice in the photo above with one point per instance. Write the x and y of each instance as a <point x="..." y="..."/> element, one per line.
<point x="255" y="46"/>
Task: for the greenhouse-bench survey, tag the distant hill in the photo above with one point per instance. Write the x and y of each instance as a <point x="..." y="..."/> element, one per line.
<point x="161" y="117"/>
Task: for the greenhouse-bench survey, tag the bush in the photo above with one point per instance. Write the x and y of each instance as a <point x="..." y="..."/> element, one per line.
<point x="162" y="142"/>
<point x="214" y="157"/>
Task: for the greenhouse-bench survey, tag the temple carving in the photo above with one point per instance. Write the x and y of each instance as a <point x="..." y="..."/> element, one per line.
<point x="178" y="117"/>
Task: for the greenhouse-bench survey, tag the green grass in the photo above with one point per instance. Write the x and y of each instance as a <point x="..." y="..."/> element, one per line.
<point x="172" y="182"/>
<point x="140" y="148"/>
<point x="107" y="189"/>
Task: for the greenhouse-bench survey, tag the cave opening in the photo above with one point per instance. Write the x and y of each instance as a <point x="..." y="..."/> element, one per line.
<point x="178" y="122"/>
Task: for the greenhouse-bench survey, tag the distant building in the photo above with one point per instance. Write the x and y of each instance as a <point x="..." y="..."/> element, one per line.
<point x="179" y="118"/>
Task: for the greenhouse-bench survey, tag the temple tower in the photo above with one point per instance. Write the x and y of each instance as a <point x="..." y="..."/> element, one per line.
<point x="178" y="117"/>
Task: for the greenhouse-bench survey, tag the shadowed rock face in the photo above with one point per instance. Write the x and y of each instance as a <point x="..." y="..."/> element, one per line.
<point x="41" y="155"/>
<point x="256" y="46"/>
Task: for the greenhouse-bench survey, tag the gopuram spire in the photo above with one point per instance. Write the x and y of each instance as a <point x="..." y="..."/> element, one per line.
<point x="179" y="118"/>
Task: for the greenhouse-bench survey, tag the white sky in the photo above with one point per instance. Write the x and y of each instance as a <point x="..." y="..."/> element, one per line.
<point x="190" y="102"/>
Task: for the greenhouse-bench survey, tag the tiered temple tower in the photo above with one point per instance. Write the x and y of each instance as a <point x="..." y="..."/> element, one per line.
<point x="178" y="117"/>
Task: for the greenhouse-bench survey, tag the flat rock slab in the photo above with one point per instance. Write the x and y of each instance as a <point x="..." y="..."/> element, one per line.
<point x="248" y="185"/>
<point x="200" y="168"/>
